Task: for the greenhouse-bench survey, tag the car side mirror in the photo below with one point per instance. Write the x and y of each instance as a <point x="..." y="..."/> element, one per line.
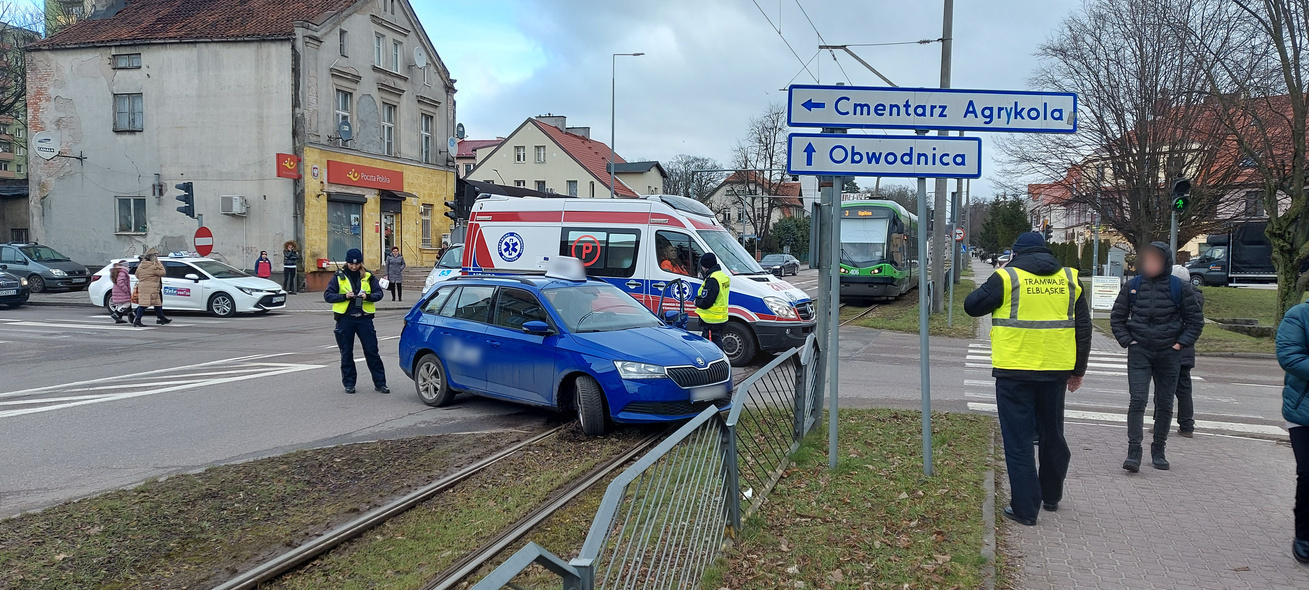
<point x="671" y="315"/>
<point x="192" y="277"/>
<point x="4" y="267"/>
<point x="537" y="328"/>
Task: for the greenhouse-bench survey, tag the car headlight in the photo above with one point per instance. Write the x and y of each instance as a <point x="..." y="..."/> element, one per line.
<point x="780" y="308"/>
<point x="58" y="273"/>
<point x="635" y="370"/>
<point x="22" y="282"/>
<point x="249" y="291"/>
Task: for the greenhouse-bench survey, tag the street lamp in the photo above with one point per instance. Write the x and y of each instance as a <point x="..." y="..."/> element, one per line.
<point x="613" y="96"/>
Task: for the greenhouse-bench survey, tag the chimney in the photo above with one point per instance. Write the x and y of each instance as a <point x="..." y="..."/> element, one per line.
<point x="583" y="131"/>
<point x="559" y="121"/>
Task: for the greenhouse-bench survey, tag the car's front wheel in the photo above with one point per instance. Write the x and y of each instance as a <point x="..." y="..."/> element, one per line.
<point x="738" y="344"/>
<point x="430" y="382"/>
<point x="35" y="283"/>
<point x="1197" y="280"/>
<point x="222" y="305"/>
<point x="590" y="406"/>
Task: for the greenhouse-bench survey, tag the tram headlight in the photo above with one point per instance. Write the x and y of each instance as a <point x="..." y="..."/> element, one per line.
<point x="780" y="308"/>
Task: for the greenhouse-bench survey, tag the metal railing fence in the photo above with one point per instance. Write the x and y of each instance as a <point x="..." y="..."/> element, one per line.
<point x="662" y="521"/>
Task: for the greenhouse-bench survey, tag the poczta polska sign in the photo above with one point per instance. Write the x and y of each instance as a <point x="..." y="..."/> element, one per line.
<point x="867" y="107"/>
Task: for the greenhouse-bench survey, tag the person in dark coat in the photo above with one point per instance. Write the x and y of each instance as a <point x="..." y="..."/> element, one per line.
<point x="1154" y="328"/>
<point x="290" y="262"/>
<point x="1038" y="352"/>
<point x="353" y="293"/>
<point x="395" y="274"/>
<point x="1293" y="356"/>
<point x="1185" y="399"/>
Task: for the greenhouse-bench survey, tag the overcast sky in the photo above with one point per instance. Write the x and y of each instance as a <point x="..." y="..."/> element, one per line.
<point x="710" y="64"/>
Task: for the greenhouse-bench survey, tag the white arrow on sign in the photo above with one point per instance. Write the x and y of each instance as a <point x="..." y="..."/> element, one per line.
<point x="931" y="108"/>
<point x="885" y="155"/>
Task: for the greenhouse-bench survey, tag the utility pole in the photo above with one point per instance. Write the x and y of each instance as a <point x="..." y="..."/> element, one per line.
<point x="940" y="227"/>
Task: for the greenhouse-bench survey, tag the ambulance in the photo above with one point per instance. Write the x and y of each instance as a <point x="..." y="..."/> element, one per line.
<point x="642" y="246"/>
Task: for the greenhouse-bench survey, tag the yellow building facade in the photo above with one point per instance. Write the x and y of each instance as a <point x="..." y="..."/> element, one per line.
<point x="370" y="203"/>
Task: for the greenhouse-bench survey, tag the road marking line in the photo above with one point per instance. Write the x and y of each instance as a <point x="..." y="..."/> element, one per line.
<point x="1088" y="372"/>
<point x="142" y="374"/>
<point x="1107" y="417"/>
<point x="43" y="400"/>
<point x="1089" y="363"/>
<point x="1254" y="384"/>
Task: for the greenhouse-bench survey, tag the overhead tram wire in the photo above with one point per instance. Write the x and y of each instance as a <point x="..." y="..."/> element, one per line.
<point x="778" y="30"/>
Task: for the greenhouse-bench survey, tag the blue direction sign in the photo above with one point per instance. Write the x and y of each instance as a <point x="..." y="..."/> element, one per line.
<point x="910" y="156"/>
<point x="931" y="108"/>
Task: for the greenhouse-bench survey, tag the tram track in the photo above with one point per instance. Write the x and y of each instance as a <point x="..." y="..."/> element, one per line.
<point x="860" y="315"/>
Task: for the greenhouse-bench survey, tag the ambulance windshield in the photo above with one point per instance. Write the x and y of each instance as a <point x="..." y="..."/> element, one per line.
<point x="731" y="255"/>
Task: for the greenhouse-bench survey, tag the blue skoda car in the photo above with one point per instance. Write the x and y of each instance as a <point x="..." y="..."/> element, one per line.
<point x="573" y="345"/>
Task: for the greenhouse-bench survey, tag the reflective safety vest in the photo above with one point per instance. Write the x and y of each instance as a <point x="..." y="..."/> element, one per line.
<point x="344" y="287"/>
<point x="717" y="313"/>
<point x="1034" y="329"/>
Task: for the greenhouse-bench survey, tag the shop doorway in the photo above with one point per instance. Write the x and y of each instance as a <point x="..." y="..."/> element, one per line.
<point x="390" y="238"/>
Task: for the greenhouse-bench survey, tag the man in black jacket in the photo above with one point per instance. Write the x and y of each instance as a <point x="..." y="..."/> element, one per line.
<point x="1154" y="318"/>
<point x="1039" y="349"/>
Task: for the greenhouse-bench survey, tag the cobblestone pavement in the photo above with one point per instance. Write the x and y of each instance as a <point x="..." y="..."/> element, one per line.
<point x="1219" y="519"/>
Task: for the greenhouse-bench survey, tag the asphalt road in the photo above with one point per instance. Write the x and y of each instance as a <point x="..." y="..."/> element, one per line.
<point x="86" y="405"/>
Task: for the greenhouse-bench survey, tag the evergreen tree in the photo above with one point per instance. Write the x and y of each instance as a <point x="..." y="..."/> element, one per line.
<point x="1085" y="263"/>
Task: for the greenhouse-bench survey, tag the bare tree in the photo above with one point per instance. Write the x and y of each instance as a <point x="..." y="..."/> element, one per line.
<point x="20" y="25"/>
<point x="1142" y="121"/>
<point x="1261" y="95"/>
<point x="760" y="158"/>
<point x="685" y="179"/>
<point x="905" y="196"/>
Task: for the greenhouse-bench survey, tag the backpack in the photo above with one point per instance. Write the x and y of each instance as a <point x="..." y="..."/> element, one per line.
<point x="1174" y="290"/>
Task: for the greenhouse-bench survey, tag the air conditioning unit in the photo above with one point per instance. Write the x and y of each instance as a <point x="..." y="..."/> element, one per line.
<point x="231" y="205"/>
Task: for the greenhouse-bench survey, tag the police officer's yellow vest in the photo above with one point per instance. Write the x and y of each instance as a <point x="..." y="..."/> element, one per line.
<point x="1034" y="329"/>
<point x="717" y="313"/>
<point x="344" y="287"/>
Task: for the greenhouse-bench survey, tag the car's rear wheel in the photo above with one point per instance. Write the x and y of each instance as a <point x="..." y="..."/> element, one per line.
<point x="221" y="305"/>
<point x="590" y="406"/>
<point x="738" y="344"/>
<point x="109" y="301"/>
<point x="35" y="283"/>
<point x="430" y="382"/>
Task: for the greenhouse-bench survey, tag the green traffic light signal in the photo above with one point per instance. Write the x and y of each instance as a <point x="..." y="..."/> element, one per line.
<point x="1181" y="203"/>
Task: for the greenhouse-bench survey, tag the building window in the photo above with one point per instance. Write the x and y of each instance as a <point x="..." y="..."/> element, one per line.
<point x="18" y="168"/>
<point x="379" y="45"/>
<point x="572" y="188"/>
<point x="344" y="228"/>
<point x="127" y="61"/>
<point x="540" y="186"/>
<point x="4" y="166"/>
<point x="18" y="133"/>
<point x="427" y="76"/>
<point x="6" y="147"/>
<point x="540" y="154"/>
<point x="426" y="133"/>
<point x="522" y="183"/>
<point x="131" y="215"/>
<point x="20" y="151"/>
<point x="343" y="40"/>
<point x="426" y="214"/>
<point x="18" y="234"/>
<point x="1254" y="204"/>
<point x="468" y="169"/>
<point x="392" y="6"/>
<point x="397" y="49"/>
<point x="128" y="113"/>
<point x="343" y="100"/>
<point x="388" y="129"/>
<point x="520" y="154"/>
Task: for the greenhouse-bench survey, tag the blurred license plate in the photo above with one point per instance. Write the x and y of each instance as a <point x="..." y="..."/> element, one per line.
<point x="279" y="299"/>
<point x="8" y="292"/>
<point x="79" y="280"/>
<point x="709" y="392"/>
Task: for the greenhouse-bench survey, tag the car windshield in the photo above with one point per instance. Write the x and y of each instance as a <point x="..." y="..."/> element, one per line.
<point x="599" y="307"/>
<point x="43" y="254"/>
<point x="730" y="254"/>
<point x="219" y="270"/>
<point x="453" y="258"/>
<point x="773" y="259"/>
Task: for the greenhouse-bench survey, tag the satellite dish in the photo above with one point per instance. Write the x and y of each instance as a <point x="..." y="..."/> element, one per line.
<point x="45" y="145"/>
<point x="345" y="131"/>
<point x="453" y="144"/>
<point x="420" y="57"/>
<point x="459" y="131"/>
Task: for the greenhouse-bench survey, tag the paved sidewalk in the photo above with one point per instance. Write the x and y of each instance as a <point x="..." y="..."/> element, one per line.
<point x="1220" y="518"/>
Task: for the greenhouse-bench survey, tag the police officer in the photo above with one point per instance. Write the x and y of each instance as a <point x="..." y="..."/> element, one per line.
<point x="353" y="293"/>
<point x="711" y="301"/>
<point x="1040" y="341"/>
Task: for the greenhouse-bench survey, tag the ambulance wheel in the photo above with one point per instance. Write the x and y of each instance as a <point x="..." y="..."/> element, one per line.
<point x="222" y="305"/>
<point x="590" y="406"/>
<point x="430" y="382"/>
<point x="738" y="344"/>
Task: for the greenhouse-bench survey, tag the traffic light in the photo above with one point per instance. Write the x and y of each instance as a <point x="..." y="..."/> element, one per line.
<point x="1048" y="232"/>
<point x="187" y="198"/>
<point x="1181" y="195"/>
<point x="453" y="212"/>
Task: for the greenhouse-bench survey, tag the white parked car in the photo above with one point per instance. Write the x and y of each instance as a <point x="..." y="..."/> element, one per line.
<point x="200" y="284"/>
<point x="450" y="265"/>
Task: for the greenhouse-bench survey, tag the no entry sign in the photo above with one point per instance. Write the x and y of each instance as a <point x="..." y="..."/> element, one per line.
<point x="204" y="241"/>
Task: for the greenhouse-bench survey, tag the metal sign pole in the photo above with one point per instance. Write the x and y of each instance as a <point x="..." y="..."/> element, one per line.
<point x="1172" y="234"/>
<point x="834" y="312"/>
<point x="924" y="305"/>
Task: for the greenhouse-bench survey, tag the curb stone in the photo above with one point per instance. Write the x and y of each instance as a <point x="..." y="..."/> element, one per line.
<point x="988" y="519"/>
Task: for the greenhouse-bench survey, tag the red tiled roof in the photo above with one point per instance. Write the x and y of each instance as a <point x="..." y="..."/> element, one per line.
<point x="784" y="189"/>
<point x="592" y="155"/>
<point x="183" y="20"/>
<point x="468" y="147"/>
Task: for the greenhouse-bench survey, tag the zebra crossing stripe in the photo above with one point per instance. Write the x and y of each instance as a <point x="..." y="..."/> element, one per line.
<point x="1240" y="427"/>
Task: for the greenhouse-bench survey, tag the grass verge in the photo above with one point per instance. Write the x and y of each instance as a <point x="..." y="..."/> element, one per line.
<point x="191" y="531"/>
<point x="1231" y="302"/>
<point x="1216" y="340"/>
<point x="874" y="522"/>
<point x="901" y="315"/>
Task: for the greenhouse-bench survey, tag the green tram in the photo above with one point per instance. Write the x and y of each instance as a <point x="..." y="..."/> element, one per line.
<point x="879" y="250"/>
